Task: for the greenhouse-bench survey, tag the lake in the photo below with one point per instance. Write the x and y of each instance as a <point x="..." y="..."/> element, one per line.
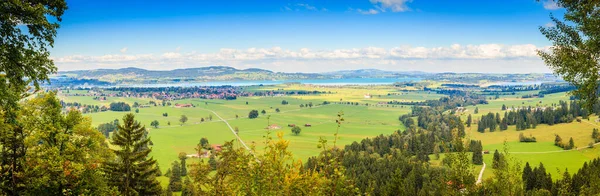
<point x="343" y="81"/>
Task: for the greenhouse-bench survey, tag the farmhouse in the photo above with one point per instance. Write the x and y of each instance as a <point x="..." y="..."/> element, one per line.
<point x="368" y="96"/>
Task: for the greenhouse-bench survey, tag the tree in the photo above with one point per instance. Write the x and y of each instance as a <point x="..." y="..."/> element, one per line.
<point x="476" y="110"/>
<point x="296" y="130"/>
<point x="63" y="147"/>
<point x="503" y="107"/>
<point x="253" y="114"/>
<point x="155" y="124"/>
<point x="277" y="110"/>
<point x="183" y="119"/>
<point x="204" y="143"/>
<point x="469" y="120"/>
<point x="137" y="110"/>
<point x="263" y="112"/>
<point x="107" y="128"/>
<point x="574" y="54"/>
<point x="477" y="157"/>
<point x="27" y="30"/>
<point x="284" y="102"/>
<point x="133" y="173"/>
<point x="497" y="160"/>
<point x="182" y="158"/>
<point x="175" y="184"/>
<point x="571" y="143"/>
<point x="120" y="107"/>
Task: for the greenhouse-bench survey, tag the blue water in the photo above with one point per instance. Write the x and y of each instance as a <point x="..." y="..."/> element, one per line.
<point x="345" y="81"/>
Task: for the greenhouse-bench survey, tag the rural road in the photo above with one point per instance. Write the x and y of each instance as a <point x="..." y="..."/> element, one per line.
<point x="480" y="178"/>
<point x="234" y="133"/>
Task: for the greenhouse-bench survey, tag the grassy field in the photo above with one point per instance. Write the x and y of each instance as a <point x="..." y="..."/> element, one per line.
<point x="361" y="122"/>
<point x="169" y="140"/>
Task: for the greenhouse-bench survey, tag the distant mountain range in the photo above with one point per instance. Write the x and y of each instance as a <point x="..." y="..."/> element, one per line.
<point x="215" y="71"/>
<point x="133" y="75"/>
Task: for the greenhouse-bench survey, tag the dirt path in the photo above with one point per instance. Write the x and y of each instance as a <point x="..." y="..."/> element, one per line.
<point x="480" y="178"/>
<point x="234" y="133"/>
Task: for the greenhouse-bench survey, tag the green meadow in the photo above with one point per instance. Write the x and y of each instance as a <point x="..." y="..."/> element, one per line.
<point x="361" y="121"/>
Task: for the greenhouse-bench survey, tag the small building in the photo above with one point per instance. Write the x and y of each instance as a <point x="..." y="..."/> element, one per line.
<point x="307" y="125"/>
<point x="368" y="96"/>
<point x="291" y="125"/>
<point x="273" y="127"/>
<point x="216" y="147"/>
<point x="187" y="105"/>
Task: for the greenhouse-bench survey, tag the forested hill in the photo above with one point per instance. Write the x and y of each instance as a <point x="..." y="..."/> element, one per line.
<point x="132" y="74"/>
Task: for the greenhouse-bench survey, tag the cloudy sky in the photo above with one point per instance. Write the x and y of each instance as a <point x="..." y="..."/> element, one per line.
<point x="306" y="35"/>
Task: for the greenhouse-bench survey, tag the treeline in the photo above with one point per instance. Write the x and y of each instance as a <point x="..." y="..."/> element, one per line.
<point x="528" y="118"/>
<point x="556" y="88"/>
<point x="84" y="108"/>
<point x="120" y="107"/>
<point x="585" y="181"/>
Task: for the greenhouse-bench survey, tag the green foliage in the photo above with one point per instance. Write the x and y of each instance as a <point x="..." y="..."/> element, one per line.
<point x="120" y="107"/>
<point x="25" y="59"/>
<point x="175" y="183"/>
<point x="63" y="150"/>
<point x="107" y="128"/>
<point x="133" y="173"/>
<point x="508" y="178"/>
<point x="574" y="54"/>
<point x="296" y="130"/>
<point x="155" y="124"/>
<point x="477" y="149"/>
<point x="182" y="160"/>
<point x="183" y="119"/>
<point x="253" y="114"/>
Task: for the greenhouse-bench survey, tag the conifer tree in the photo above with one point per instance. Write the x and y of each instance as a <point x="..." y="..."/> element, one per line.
<point x="133" y="173"/>
<point x="175" y="178"/>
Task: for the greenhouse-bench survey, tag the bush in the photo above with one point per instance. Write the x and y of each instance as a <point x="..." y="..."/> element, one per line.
<point x="523" y="138"/>
<point x="120" y="107"/>
<point x="253" y="114"/>
<point x="296" y="130"/>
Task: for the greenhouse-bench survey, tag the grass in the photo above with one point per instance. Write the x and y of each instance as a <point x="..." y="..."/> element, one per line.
<point x="361" y="122"/>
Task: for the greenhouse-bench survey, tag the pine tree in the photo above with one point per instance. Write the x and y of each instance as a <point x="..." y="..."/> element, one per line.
<point x="469" y="120"/>
<point x="175" y="178"/>
<point x="497" y="160"/>
<point x="133" y="173"/>
<point x="528" y="181"/>
<point x="477" y="157"/>
<point x="476" y="110"/>
<point x="182" y="158"/>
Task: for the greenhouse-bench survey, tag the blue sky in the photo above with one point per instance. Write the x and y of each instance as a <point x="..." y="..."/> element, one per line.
<point x="305" y="35"/>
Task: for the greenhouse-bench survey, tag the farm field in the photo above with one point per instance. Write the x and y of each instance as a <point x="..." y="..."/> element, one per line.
<point x="169" y="140"/>
<point x="361" y="121"/>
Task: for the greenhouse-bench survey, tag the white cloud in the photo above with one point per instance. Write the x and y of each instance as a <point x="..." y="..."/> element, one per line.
<point x="433" y="59"/>
<point x="393" y="5"/>
<point x="123" y="50"/>
<point x="367" y="12"/>
<point x="302" y="6"/>
<point x="550" y="5"/>
<point x="307" y="6"/>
